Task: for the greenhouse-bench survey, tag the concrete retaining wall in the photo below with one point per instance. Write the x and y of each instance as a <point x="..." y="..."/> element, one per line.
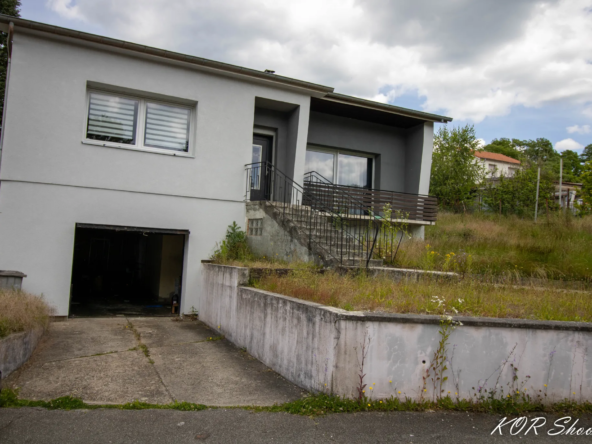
<point x="313" y="345"/>
<point x="16" y="349"/>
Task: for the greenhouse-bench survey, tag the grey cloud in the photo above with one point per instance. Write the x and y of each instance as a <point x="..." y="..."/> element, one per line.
<point x="467" y="58"/>
<point x="206" y="29"/>
<point x="460" y="31"/>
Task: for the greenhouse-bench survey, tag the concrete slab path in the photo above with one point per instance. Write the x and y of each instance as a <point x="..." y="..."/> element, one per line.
<point x="155" y="360"/>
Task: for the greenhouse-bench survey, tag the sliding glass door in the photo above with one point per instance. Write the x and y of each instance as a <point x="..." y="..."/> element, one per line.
<point x="353" y="170"/>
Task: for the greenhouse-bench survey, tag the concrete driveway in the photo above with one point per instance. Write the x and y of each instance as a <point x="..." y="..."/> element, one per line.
<point x="155" y="360"/>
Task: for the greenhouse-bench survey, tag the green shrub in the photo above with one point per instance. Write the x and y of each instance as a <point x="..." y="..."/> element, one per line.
<point x="234" y="247"/>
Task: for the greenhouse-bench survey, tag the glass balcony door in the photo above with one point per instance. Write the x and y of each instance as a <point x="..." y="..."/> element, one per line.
<point x="340" y="167"/>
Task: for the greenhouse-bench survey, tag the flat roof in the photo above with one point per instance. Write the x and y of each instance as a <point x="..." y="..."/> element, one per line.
<point x="326" y="92"/>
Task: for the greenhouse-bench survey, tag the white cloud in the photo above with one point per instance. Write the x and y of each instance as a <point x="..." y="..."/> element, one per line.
<point x="584" y="129"/>
<point x="481" y="143"/>
<point x="568" y="144"/>
<point x="469" y="60"/>
<point x="65" y="8"/>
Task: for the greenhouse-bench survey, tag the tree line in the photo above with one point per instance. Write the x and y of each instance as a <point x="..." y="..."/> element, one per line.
<point x="461" y="183"/>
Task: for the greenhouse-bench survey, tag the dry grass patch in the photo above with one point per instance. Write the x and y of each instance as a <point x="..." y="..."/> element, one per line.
<point x="463" y="298"/>
<point x="20" y="311"/>
<point x="256" y="263"/>
<point x="557" y="247"/>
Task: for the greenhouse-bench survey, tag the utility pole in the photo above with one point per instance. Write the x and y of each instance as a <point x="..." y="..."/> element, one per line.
<point x="536" y="207"/>
<point x="560" y="182"/>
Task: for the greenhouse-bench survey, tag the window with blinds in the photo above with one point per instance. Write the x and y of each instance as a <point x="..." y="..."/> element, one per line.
<point x="112" y="119"/>
<point x="167" y="127"/>
<point x="137" y="122"/>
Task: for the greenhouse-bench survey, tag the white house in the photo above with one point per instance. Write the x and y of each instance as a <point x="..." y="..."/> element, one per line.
<point x="122" y="165"/>
<point x="496" y="165"/>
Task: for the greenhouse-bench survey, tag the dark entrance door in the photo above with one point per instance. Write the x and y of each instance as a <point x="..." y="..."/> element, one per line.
<point x="261" y="171"/>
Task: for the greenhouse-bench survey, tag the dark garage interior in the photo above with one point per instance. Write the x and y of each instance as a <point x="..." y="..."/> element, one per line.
<point x="126" y="271"/>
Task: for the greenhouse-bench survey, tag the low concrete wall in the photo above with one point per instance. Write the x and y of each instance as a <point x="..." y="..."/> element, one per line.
<point x="16" y="349"/>
<point x="320" y="348"/>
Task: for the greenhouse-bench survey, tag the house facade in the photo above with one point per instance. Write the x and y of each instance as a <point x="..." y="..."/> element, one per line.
<point x="496" y="165"/>
<point x="122" y="165"/>
<point x="568" y="195"/>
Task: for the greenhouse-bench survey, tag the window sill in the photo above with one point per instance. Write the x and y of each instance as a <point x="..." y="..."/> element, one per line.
<point x="137" y="148"/>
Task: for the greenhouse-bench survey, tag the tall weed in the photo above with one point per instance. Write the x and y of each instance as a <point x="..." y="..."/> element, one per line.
<point x="20" y="311"/>
<point x="559" y="246"/>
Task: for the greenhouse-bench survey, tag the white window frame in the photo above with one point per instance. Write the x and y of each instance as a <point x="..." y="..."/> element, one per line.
<point x="140" y="125"/>
<point x="336" y="152"/>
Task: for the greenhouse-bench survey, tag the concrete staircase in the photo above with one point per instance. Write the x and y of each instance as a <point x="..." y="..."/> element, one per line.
<point x="316" y="232"/>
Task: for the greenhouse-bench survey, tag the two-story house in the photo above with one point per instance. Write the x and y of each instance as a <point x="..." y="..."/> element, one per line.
<point x="496" y="165"/>
<point x="122" y="165"/>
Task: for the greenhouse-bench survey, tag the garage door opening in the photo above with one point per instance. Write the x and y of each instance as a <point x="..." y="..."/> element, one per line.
<point x="126" y="271"/>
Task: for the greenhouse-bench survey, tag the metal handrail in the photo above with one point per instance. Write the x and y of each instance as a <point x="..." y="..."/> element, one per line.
<point x="316" y="173"/>
<point x="332" y="231"/>
<point x="373" y="201"/>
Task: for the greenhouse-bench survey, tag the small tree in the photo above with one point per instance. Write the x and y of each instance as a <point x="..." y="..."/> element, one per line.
<point x="234" y="246"/>
<point x="455" y="172"/>
<point x="586" y="178"/>
<point x="517" y="194"/>
<point x="506" y="147"/>
<point x="586" y="155"/>
<point x="539" y="151"/>
<point x="572" y="167"/>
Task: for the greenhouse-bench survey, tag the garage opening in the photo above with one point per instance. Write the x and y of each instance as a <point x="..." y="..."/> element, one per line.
<point x="126" y="271"/>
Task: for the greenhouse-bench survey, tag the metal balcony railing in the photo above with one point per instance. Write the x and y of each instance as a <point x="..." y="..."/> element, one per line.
<point x="349" y="225"/>
<point x="412" y="207"/>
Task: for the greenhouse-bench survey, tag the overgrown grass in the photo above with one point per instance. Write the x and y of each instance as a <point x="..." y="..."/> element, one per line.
<point x="431" y="296"/>
<point x="9" y="399"/>
<point x="268" y="263"/>
<point x="20" y="311"/>
<point x="557" y="247"/>
<point x="255" y="262"/>
<point x="322" y="404"/>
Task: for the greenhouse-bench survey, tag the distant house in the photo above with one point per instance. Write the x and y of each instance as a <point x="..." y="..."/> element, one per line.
<point x="497" y="164"/>
<point x="568" y="195"/>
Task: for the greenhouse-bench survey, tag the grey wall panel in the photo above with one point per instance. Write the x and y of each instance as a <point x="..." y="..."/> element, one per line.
<point x="278" y="122"/>
<point x="386" y="143"/>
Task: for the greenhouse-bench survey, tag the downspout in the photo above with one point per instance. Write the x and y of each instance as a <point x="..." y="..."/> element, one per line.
<point x="9" y="43"/>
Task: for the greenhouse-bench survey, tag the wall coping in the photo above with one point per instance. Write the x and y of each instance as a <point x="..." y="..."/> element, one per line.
<point x="12" y="273"/>
<point x="360" y="316"/>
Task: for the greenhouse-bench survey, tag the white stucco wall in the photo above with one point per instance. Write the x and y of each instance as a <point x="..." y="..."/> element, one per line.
<point x="313" y="345"/>
<point x="50" y="180"/>
<point x="502" y="168"/>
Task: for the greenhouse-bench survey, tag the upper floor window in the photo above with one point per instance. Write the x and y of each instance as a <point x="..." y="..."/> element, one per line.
<point x="492" y="169"/>
<point x="122" y="121"/>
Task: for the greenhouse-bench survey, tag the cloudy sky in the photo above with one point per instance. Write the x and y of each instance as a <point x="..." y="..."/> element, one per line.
<point x="513" y="68"/>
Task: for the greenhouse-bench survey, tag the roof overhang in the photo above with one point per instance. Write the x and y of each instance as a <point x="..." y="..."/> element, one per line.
<point x="374" y="112"/>
<point x="384" y="107"/>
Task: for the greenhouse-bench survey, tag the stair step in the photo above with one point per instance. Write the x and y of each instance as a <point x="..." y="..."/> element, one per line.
<point x="323" y="234"/>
